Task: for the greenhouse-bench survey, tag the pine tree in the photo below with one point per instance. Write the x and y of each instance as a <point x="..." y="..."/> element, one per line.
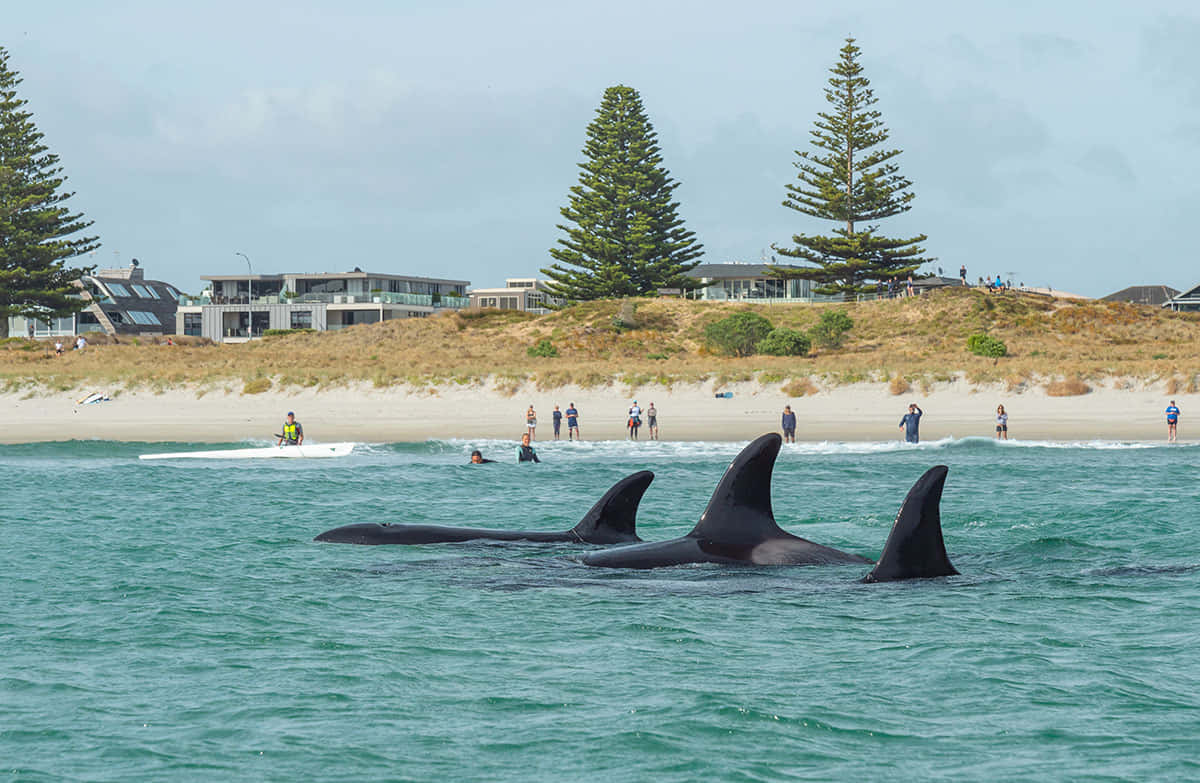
<point x="625" y="236"/>
<point x="849" y="180"/>
<point x="35" y="226"/>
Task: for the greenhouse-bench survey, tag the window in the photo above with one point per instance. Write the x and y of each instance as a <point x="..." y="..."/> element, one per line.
<point x="118" y="289"/>
<point x="302" y="319"/>
<point x="487" y="301"/>
<point x="191" y="324"/>
<point x="144" y="318"/>
<point x="509" y="303"/>
<point x="171" y="292"/>
<point x="146" y="292"/>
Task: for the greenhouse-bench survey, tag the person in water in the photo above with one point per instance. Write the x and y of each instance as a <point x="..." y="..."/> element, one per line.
<point x="652" y="421"/>
<point x="525" y="452"/>
<point x="788" y="422"/>
<point x="1172" y="421"/>
<point x="911" y="424"/>
<point x="635" y="420"/>
<point x="557" y="416"/>
<point x="1001" y="423"/>
<point x="572" y="422"/>
<point x="477" y="458"/>
<point x="530" y="422"/>
<point x="293" y="433"/>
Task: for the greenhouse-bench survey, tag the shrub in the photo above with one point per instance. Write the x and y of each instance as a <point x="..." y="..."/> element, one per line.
<point x="543" y="348"/>
<point x="985" y="345"/>
<point x="285" y="332"/>
<point x="739" y="334"/>
<point x="897" y="385"/>
<point x="256" y="386"/>
<point x="784" y="342"/>
<point x="799" y="387"/>
<point x="1068" y="388"/>
<point x="831" y="329"/>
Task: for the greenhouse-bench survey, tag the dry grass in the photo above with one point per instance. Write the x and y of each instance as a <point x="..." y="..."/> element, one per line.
<point x="799" y="387"/>
<point x="925" y="335"/>
<point x="897" y="385"/>
<point x="1072" y="387"/>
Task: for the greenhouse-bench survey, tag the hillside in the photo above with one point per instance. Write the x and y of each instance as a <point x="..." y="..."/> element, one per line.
<point x="905" y="341"/>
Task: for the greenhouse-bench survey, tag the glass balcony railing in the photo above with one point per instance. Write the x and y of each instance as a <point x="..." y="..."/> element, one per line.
<point x="420" y="300"/>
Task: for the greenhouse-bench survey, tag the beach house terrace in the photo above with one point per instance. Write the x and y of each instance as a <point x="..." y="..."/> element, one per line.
<point x="519" y="293"/>
<point x="236" y="308"/>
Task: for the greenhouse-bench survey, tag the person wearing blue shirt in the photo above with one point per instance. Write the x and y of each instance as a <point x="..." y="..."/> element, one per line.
<point x="557" y="415"/>
<point x="788" y="423"/>
<point x="910" y="424"/>
<point x="572" y="422"/>
<point x="1172" y="421"/>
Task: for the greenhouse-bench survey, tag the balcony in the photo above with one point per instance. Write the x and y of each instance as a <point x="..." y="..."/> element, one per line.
<point x="420" y="300"/>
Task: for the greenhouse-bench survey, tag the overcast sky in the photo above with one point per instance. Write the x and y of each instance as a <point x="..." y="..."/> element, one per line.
<point x="1057" y="142"/>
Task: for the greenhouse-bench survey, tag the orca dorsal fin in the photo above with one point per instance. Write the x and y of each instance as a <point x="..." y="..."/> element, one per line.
<point x="613" y="519"/>
<point x="739" y="511"/>
<point x="915" y="549"/>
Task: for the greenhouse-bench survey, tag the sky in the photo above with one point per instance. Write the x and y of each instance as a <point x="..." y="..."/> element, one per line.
<point x="1053" y="143"/>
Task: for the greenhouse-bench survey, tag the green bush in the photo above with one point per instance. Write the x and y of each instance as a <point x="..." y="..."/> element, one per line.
<point x="739" y="334"/>
<point x="285" y="332"/>
<point x="543" y="348"/>
<point x="831" y="329"/>
<point x="784" y="342"/>
<point x="985" y="345"/>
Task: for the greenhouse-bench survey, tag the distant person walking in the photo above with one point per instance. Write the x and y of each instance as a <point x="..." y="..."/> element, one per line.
<point x="530" y="422"/>
<point x="1172" y="421"/>
<point x="962" y="274"/>
<point x="652" y="421"/>
<point x="908" y="287"/>
<point x="911" y="424"/>
<point x="788" y="422"/>
<point x="525" y="452"/>
<point x="635" y="420"/>
<point x="81" y="343"/>
<point x="557" y="416"/>
<point x="1001" y="423"/>
<point x="572" y="422"/>
<point x="58" y="348"/>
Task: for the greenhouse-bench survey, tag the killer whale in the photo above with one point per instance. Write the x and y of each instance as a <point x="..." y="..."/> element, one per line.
<point x="738" y="527"/>
<point x="612" y="520"/>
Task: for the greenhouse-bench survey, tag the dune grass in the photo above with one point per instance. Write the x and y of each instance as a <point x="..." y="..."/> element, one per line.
<point x="915" y="342"/>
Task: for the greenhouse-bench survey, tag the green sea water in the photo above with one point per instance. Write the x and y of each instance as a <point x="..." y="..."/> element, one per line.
<point x="175" y="620"/>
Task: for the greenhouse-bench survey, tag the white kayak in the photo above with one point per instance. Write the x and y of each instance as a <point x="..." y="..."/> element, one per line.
<point x="307" y="451"/>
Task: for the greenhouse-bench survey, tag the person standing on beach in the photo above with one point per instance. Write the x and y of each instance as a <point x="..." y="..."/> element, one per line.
<point x="911" y="424"/>
<point x="962" y="274"/>
<point x="908" y="287"/>
<point x="788" y="423"/>
<point x="293" y="433"/>
<point x="1172" y="421"/>
<point x="530" y="422"/>
<point x="58" y="349"/>
<point x="572" y="422"/>
<point x="1001" y="423"/>
<point x="652" y="421"/>
<point x="525" y="452"/>
<point x="635" y="420"/>
<point x="557" y="416"/>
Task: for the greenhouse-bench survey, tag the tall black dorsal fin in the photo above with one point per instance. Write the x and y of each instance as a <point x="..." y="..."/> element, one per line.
<point x="915" y="549"/>
<point x="613" y="520"/>
<point x="739" y="511"/>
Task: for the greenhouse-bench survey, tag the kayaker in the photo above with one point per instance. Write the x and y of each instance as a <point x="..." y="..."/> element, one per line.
<point x="293" y="433"/>
<point x="525" y="452"/>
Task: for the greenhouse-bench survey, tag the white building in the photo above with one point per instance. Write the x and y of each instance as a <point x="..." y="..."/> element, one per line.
<point x="519" y="293"/>
<point x="237" y="308"/>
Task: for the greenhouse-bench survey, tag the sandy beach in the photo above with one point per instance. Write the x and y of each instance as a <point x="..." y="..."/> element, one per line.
<point x="859" y="412"/>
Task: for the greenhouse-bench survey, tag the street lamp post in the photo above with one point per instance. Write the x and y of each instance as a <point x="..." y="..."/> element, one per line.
<point x="249" y="297"/>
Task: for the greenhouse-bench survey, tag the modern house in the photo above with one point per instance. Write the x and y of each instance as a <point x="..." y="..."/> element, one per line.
<point x="519" y="293"/>
<point x="120" y="302"/>
<point x="755" y="282"/>
<point x="236" y="308"/>
<point x="1186" y="301"/>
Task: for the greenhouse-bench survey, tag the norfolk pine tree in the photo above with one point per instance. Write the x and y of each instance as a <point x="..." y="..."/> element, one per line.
<point x="848" y="180"/>
<point x="35" y="226"/>
<point x="624" y="236"/>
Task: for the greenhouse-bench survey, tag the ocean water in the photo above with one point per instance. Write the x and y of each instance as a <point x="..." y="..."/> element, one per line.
<point x="175" y="620"/>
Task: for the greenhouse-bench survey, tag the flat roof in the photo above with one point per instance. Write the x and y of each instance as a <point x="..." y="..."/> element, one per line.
<point x="331" y="276"/>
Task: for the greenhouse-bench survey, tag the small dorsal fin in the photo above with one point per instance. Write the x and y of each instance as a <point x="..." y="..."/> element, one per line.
<point x="613" y="520"/>
<point x="915" y="549"/>
<point x="739" y="511"/>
